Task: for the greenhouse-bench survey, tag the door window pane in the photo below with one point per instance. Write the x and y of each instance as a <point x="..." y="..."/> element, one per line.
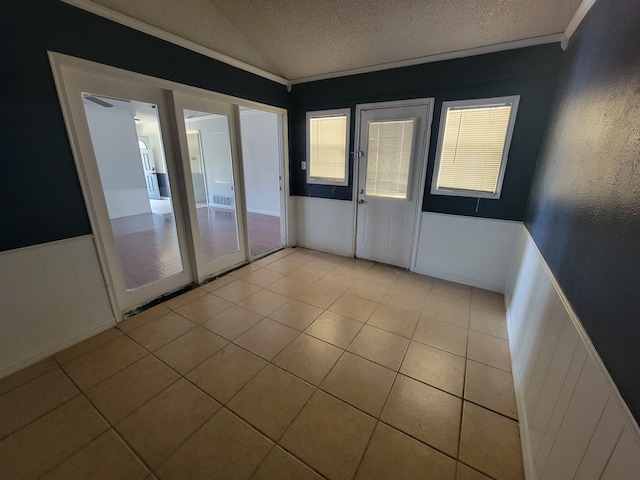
<point x="127" y="143"/>
<point x="209" y="147"/>
<point x="261" y="157"/>
<point x="389" y="158"/>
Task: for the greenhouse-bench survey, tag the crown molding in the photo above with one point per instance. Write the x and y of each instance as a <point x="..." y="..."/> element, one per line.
<point x="581" y="12"/>
<point x="143" y="27"/>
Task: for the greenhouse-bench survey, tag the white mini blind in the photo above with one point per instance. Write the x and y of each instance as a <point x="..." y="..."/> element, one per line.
<point x="389" y="158"/>
<point x="328" y="148"/>
<point x="472" y="148"/>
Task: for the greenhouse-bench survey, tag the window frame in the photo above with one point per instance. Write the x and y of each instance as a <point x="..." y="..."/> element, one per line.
<point x="513" y="100"/>
<point x="322" y="114"/>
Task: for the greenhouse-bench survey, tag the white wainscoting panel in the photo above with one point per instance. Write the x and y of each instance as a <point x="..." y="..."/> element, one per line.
<point x="51" y="296"/>
<point x="469" y="250"/>
<point x="325" y="224"/>
<point x="573" y="421"/>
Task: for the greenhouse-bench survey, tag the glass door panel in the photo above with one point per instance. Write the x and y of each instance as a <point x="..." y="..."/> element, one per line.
<point x="208" y="150"/>
<point x="262" y="160"/>
<point x="140" y="213"/>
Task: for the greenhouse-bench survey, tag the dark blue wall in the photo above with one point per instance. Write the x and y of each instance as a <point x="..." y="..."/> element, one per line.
<point x="529" y="72"/>
<point x="40" y="197"/>
<point x="584" y="211"/>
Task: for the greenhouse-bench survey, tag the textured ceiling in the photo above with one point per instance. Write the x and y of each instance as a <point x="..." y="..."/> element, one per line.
<point x="302" y="38"/>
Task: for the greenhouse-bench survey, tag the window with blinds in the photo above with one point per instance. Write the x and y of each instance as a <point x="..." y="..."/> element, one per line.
<point x="328" y="145"/>
<point x="473" y="146"/>
<point x="389" y="158"/>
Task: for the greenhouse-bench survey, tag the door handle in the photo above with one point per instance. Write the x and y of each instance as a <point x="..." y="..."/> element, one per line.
<point x="360" y="201"/>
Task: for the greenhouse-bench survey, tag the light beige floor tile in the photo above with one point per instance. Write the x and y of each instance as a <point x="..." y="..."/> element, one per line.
<point x="283" y="266"/>
<point x="381" y="274"/>
<point x="121" y="394"/>
<point x="327" y="263"/>
<point x="267" y="338"/>
<point x="264" y="261"/>
<point x="271" y="401"/>
<point x="436" y="367"/>
<point x="413" y="283"/>
<point x="225" y="447"/>
<point x="87" y="345"/>
<point x="102" y="362"/>
<point x="490" y="387"/>
<point x="224" y="374"/>
<point x="232" y="323"/>
<point x="490" y="443"/>
<point x="236" y="291"/>
<point x="486" y="301"/>
<point x="282" y="466"/>
<point x="185" y="298"/>
<point x="451" y="292"/>
<point x="264" y="302"/>
<point x="392" y="454"/>
<point x="379" y="346"/>
<point x="335" y="329"/>
<point x="317" y="295"/>
<point x="358" y="262"/>
<point x="33" y="399"/>
<point x="161" y="331"/>
<point x="369" y="290"/>
<point x="425" y="413"/>
<point x="468" y="473"/>
<point x="394" y="320"/>
<point x="330" y="436"/>
<point x="489" y="350"/>
<point x="336" y="281"/>
<point x="29" y="373"/>
<point x="489" y="323"/>
<point x="191" y="349"/>
<point x="289" y="286"/>
<point x="442" y="335"/>
<point x="218" y="283"/>
<point x="353" y="307"/>
<point x="107" y="458"/>
<point x="262" y="277"/>
<point x="41" y="445"/>
<point x="242" y="272"/>
<point x="350" y="269"/>
<point x="359" y="382"/>
<point x="143" y="317"/>
<point x="453" y="313"/>
<point x="405" y="300"/>
<point x="308" y="273"/>
<point x="298" y="315"/>
<point x="301" y="256"/>
<point x="160" y="426"/>
<point x="202" y="309"/>
<point x="308" y="358"/>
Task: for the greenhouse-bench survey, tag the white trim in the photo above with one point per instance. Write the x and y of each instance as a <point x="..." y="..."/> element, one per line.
<point x="338" y="112"/>
<point x="54" y="242"/>
<point x="459" y="279"/>
<point x="584" y="337"/>
<point x="470" y="52"/>
<point x="469" y="104"/>
<point x="581" y="12"/>
<point x="136" y="24"/>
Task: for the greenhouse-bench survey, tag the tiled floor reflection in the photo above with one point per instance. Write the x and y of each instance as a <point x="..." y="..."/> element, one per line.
<point x="148" y="243"/>
<point x="302" y="365"/>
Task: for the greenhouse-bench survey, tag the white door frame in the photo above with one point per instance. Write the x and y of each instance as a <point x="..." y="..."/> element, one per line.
<point x="424" y="158"/>
<point x="61" y="63"/>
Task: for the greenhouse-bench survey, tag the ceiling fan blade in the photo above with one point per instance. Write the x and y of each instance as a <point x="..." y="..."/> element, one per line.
<point x="102" y="103"/>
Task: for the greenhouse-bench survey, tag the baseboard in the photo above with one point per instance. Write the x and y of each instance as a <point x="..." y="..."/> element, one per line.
<point x="47" y="352"/>
<point x="323" y="248"/>
<point x="460" y="279"/>
<point x="263" y="212"/>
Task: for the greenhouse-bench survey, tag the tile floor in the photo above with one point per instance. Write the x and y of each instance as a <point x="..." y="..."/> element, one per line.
<point x="301" y="365"/>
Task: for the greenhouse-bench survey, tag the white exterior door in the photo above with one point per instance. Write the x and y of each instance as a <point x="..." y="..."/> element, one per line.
<point x="391" y="170"/>
<point x="149" y="167"/>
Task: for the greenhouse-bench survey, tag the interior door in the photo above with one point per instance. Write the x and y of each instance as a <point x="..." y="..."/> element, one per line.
<point x="391" y="148"/>
<point x="143" y="245"/>
<point x="217" y="220"/>
<point x="149" y="167"/>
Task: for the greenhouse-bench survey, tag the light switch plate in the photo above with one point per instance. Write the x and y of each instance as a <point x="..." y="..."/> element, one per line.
<point x="304" y="165"/>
